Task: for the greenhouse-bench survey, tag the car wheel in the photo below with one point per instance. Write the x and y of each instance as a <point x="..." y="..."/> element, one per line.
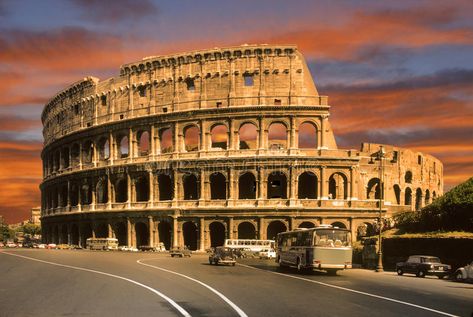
<point x="459" y="276"/>
<point x="400" y="272"/>
<point x="420" y="273"/>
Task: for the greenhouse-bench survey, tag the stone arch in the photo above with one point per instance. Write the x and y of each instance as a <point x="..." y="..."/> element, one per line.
<point x="307" y="186"/>
<point x="123" y="146"/>
<point x="191" y="188"/>
<point x="217" y="234"/>
<point x="247" y="186"/>
<point x="143" y="143"/>
<point x="102" y="191"/>
<point x="142" y="188"/>
<point x="427" y="197"/>
<point x="277" y="136"/>
<point x="307" y="224"/>
<point x="75" y="154"/>
<point x="246" y="230"/>
<point x="277" y="185"/>
<point x="307" y="135"/>
<point x="408" y="177"/>
<point x="397" y="193"/>
<point x="408" y="196"/>
<point x="74" y="195"/>
<point x="121" y="190"/>
<point x="121" y="233"/>
<point x="275" y="227"/>
<point x="191" y="138"/>
<point x="165" y="233"/>
<point x="101" y="230"/>
<point x="218" y="186"/>
<point x="219" y="136"/>
<point x="248" y="135"/>
<point x="418" y="198"/>
<point x="189" y="230"/>
<point x="104" y="149"/>
<point x="88" y="151"/>
<point x="338" y="186"/>
<point x="165" y="139"/>
<point x="64" y="193"/>
<point x="373" y="189"/>
<point x="65" y="157"/>
<point x="165" y="186"/>
<point x="142" y="234"/>
<point x="339" y="224"/>
<point x="86" y="194"/>
<point x="434" y="195"/>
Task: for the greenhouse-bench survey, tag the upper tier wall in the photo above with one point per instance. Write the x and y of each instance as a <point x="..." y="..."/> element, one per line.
<point x="237" y="76"/>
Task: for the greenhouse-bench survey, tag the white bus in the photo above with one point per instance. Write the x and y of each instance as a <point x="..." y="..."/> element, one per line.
<point x="251" y="244"/>
<point x="102" y="244"/>
<point x="325" y="247"/>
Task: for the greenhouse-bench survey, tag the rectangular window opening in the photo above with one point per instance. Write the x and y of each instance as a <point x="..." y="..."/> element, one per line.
<point x="277" y="102"/>
<point x="165" y="109"/>
<point x="190" y="84"/>
<point x="142" y="91"/>
<point x="219" y="104"/>
<point x="248" y="79"/>
<point x="103" y="100"/>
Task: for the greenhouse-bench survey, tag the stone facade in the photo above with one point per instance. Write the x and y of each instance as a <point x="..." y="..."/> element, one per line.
<point x="193" y="148"/>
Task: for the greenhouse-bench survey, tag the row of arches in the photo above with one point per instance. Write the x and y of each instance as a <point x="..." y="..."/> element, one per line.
<point x="138" y="143"/>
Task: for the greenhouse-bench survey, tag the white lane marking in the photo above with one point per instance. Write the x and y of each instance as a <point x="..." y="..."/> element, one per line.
<point x="354" y="291"/>
<point x="169" y="300"/>
<point x="239" y="311"/>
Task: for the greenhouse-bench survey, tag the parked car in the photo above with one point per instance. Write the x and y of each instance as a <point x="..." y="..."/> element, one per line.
<point x="63" y="246"/>
<point x="42" y="246"/>
<point x="267" y="254"/>
<point x="1" y="245"/>
<point x="180" y="252"/>
<point x="222" y="255"/>
<point x="464" y="273"/>
<point x="11" y="245"/>
<point x="51" y="246"/>
<point x="422" y="265"/>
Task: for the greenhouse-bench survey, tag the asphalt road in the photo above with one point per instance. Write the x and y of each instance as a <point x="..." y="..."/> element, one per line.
<point x="93" y="283"/>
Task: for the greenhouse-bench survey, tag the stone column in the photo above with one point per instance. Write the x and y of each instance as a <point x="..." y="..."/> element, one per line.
<point x="176" y="192"/>
<point x="231" y="186"/>
<point x="293" y="185"/>
<point x="94" y="154"/>
<point x="128" y="232"/>
<point x="202" y="234"/>
<point x="151" y="189"/>
<point x="175" y="242"/>
<point x="152" y="142"/>
<point x="230" y="227"/>
<point x="261" y="180"/>
<point x="112" y="149"/>
<point x="151" y="231"/>
<point x="80" y="156"/>
<point x="176" y="138"/>
<point x="131" y="142"/>
<point x="93" y="205"/>
<point x="109" y="192"/>
<point x="322" y="184"/>
<point x="68" y="206"/>
<point x="203" y="137"/>
<point x="203" y="186"/>
<point x="231" y="135"/>
<point x="261" y="234"/>
<point x="323" y="124"/>
<point x="133" y="234"/>
<point x="261" y="134"/>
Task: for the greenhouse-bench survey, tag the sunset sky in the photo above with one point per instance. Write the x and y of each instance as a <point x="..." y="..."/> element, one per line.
<point x="396" y="72"/>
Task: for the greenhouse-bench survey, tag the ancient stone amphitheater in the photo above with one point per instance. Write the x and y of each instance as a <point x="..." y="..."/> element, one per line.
<point x="192" y="148"/>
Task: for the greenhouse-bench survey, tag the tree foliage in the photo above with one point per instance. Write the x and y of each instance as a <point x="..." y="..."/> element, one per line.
<point x="450" y="212"/>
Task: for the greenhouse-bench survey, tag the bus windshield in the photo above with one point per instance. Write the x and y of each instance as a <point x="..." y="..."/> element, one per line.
<point x="332" y="238"/>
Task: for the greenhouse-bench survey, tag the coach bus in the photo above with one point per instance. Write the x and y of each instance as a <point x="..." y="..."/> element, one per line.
<point x="251" y="244"/>
<point x="325" y="247"/>
<point x="102" y="244"/>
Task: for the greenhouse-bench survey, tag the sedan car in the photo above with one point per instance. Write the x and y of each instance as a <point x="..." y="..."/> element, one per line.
<point x="464" y="273"/>
<point x="422" y="265"/>
<point x="222" y="255"/>
<point x="180" y="252"/>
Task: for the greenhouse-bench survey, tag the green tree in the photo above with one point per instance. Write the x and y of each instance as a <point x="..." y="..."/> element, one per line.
<point x="6" y="233"/>
<point x="31" y="229"/>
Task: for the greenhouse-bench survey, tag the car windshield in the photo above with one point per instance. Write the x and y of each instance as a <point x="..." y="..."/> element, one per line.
<point x="224" y="252"/>
<point x="431" y="260"/>
<point x="332" y="238"/>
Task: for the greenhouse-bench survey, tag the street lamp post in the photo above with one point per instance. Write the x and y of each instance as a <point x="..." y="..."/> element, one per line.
<point x="381" y="153"/>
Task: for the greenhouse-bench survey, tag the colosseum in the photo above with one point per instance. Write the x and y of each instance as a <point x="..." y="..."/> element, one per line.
<point x="192" y="148"/>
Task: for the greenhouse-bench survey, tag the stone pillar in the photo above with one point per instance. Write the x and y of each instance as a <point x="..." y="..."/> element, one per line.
<point x="202" y="234"/>
<point x="203" y="186"/>
<point x="175" y="239"/>
<point x="128" y="232"/>
<point x="68" y="195"/>
<point x="112" y="148"/>
<point x="81" y="241"/>
<point x="261" y="233"/>
<point x="231" y="185"/>
<point x="152" y="142"/>
<point x="69" y="235"/>
<point x="128" y="190"/>
<point x="109" y="192"/>
<point x="261" y="181"/>
<point x="292" y="185"/>
<point x="133" y="234"/>
<point x="94" y="154"/>
<point x="93" y="205"/>
<point x="176" y="192"/>
<point x="203" y="137"/>
<point x="80" y="155"/>
<point x="232" y="136"/>
<point x="176" y="138"/>
<point x="323" y="124"/>
<point x="292" y="139"/>
<point x="151" y="189"/>
<point x="322" y="184"/>
<point x="261" y="134"/>
<point x="151" y="231"/>
<point x="131" y="142"/>
<point x="230" y="227"/>
<point x="352" y="184"/>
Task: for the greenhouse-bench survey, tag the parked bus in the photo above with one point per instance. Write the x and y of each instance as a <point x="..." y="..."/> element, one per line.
<point x="252" y="244"/>
<point x="102" y="244"/>
<point x="325" y="247"/>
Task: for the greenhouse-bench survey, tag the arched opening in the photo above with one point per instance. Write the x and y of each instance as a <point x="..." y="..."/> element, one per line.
<point x="75" y="153"/>
<point x="165" y="139"/>
<point x="190" y="235"/>
<point x="165" y="187"/>
<point x="248" y="134"/>
<point x="277" y="185"/>
<point x="373" y="189"/>
<point x="190" y="187"/>
<point x="397" y="193"/>
<point x="102" y="191"/>
<point x="427" y="197"/>
<point x="120" y="233"/>
<point x="142" y="188"/>
<point x="365" y="230"/>
<point x="165" y="231"/>
<point x="57" y="161"/>
<point x="101" y="231"/>
<point x="65" y="157"/>
<point x="307" y="136"/>
<point x="142" y="234"/>
<point x="104" y="149"/>
<point x="143" y="143"/>
<point x="247" y="186"/>
<point x="74" y="195"/>
<point x="246" y="230"/>
<point x="218" y="186"/>
<point x="307" y="186"/>
<point x="217" y="234"/>
<point x="277" y="136"/>
<point x="339" y="225"/>
<point x="408" y="177"/>
<point x="434" y="195"/>
<point x="219" y="136"/>
<point x="191" y="138"/>
<point x="88" y="152"/>
<point x="418" y="198"/>
<point x="408" y="197"/>
<point x="121" y="190"/>
<point x="123" y="149"/>
<point x="64" y="193"/>
<point x="274" y="228"/>
<point x="338" y="186"/>
<point x="74" y="234"/>
<point x="307" y="224"/>
<point x="86" y="194"/>
<point x="86" y="233"/>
